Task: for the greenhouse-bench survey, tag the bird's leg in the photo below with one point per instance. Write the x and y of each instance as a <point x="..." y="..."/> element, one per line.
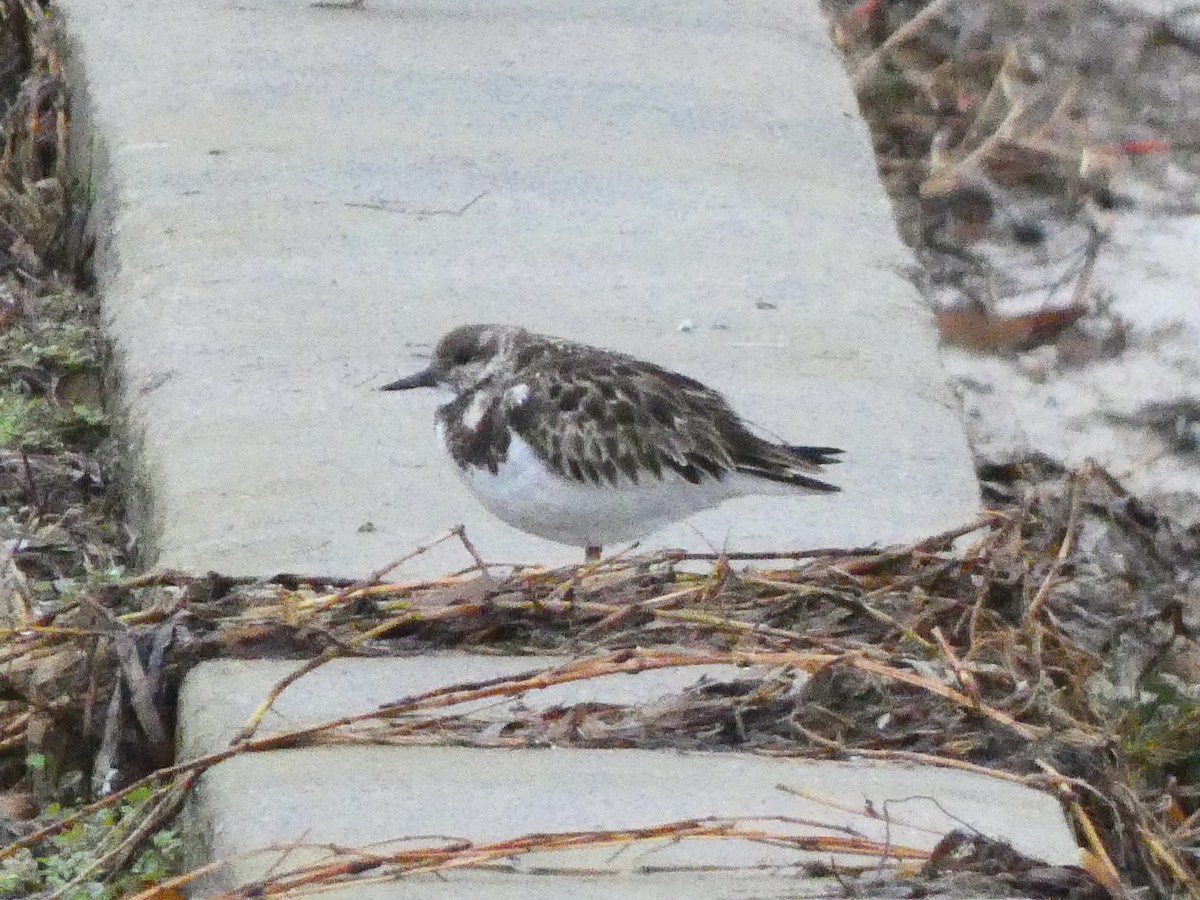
<point x="591" y="554"/>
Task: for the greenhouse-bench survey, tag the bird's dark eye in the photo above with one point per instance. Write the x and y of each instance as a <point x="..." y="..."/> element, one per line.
<point x="462" y="357"/>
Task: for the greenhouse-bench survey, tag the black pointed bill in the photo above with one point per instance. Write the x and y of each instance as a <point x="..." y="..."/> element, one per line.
<point x="421" y="379"/>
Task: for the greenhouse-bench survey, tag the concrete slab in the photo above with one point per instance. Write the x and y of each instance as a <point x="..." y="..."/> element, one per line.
<point x="294" y="200"/>
<point x="384" y="796"/>
<point x="221" y="694"/>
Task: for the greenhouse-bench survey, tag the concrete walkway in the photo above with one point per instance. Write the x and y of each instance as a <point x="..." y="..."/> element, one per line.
<point x="294" y="200"/>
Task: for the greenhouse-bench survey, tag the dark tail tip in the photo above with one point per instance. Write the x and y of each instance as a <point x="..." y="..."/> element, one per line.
<point x="815" y="484"/>
<point x="818" y="456"/>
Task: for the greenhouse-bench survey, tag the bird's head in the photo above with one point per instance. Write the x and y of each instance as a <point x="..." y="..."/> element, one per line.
<point x="465" y="358"/>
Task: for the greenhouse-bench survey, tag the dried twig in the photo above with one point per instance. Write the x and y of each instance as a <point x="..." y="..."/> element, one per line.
<point x="1064" y="551"/>
<point x="905" y="32"/>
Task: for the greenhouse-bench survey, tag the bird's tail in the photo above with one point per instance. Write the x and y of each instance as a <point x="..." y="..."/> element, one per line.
<point x="787" y="464"/>
<point x="818" y="456"/>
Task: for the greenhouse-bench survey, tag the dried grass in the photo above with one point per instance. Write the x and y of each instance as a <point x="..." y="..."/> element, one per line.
<point x="997" y="658"/>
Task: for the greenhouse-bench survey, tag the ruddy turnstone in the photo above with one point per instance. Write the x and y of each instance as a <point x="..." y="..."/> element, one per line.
<point x="589" y="447"/>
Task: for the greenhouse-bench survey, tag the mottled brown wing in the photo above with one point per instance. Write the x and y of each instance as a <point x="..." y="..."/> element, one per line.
<point x="607" y="419"/>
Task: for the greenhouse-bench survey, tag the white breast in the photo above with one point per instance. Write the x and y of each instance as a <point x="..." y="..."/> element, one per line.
<point x="528" y="496"/>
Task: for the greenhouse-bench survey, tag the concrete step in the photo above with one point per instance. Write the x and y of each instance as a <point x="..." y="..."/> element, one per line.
<point x="293" y="200"/>
<point x="385" y="798"/>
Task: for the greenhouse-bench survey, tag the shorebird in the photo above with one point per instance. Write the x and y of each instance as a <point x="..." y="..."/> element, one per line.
<point x="590" y="447"/>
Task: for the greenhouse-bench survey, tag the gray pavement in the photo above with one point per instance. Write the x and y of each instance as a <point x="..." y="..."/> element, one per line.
<point x="294" y="200"/>
<point x="388" y="796"/>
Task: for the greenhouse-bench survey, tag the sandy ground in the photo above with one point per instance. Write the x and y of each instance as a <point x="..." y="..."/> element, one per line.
<point x="1042" y="158"/>
<point x="1136" y="412"/>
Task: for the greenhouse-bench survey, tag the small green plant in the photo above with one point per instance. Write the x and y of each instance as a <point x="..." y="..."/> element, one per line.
<point x="51" y="373"/>
<point x="35" y="425"/>
<point x="1159" y="732"/>
<point x="68" y="862"/>
<point x="16" y="420"/>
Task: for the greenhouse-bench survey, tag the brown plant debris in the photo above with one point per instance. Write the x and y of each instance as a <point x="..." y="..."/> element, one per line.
<point x="976" y="328"/>
<point x="1009" y="135"/>
<point x="1030" y="653"/>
